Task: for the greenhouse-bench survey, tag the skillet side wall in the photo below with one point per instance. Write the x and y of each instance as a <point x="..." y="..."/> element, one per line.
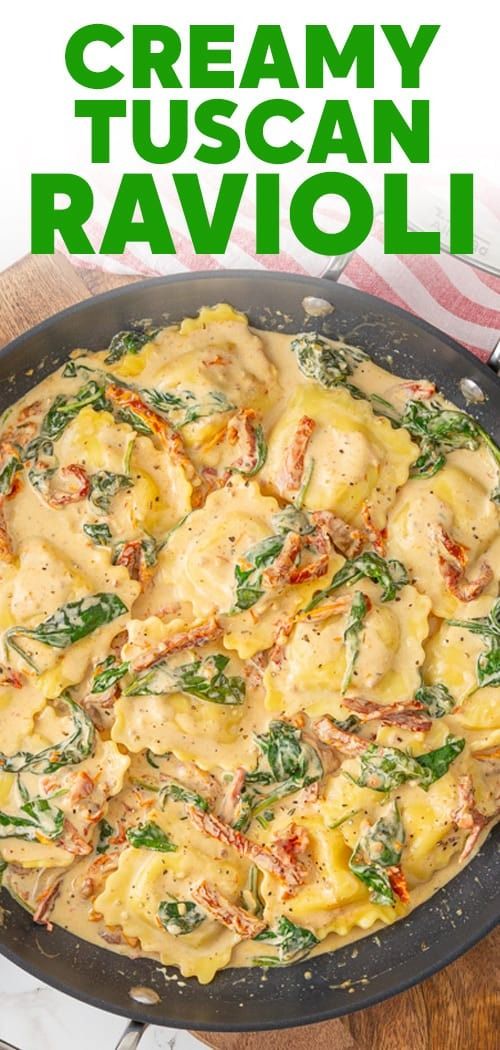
<point x="458" y="915"/>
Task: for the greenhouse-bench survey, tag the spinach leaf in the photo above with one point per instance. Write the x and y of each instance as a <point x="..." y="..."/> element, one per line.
<point x="126" y="414"/>
<point x="287" y="764"/>
<point x="104" y="484"/>
<point x="251" y="895"/>
<point x="69" y="752"/>
<point x="74" y="367"/>
<point x="292" y="519"/>
<point x="165" y="402"/>
<point x="179" y="793"/>
<point x="379" y="847"/>
<point x="328" y="365"/>
<point x="150" y="836"/>
<point x="348" y="725"/>
<point x="110" y="673"/>
<point x="342" y="820"/>
<point x="183" y="407"/>
<point x="8" y="473"/>
<point x="488" y="627"/>
<point x="291" y="942"/>
<point x="64" y="409"/>
<point x="204" y="679"/>
<point x="332" y="366"/>
<point x="3" y="866"/>
<point x="256" y="804"/>
<point x="215" y="403"/>
<point x="352" y="635"/>
<point x="150" y="759"/>
<point x="488" y="668"/>
<point x="391" y="575"/>
<point x="439" y="431"/>
<point x="248" y="580"/>
<point x="306" y="481"/>
<point x="130" y="342"/>
<point x="71" y="369"/>
<point x="436" y="763"/>
<point x="180" y="917"/>
<point x="42" y="821"/>
<point x="437" y="699"/>
<point x="99" y="534"/>
<point x="105" y="833"/>
<point x="383" y="768"/>
<point x="68" y="624"/>
<point x="39" y="453"/>
<point x="286" y="755"/>
<point x="149" y="549"/>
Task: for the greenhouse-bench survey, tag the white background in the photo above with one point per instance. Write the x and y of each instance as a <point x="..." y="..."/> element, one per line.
<point x="40" y="133"/>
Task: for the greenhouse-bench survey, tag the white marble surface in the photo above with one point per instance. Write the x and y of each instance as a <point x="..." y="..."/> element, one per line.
<point x="36" y="1017"/>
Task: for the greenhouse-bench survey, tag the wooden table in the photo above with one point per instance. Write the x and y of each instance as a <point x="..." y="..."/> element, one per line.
<point x="455" y="1010"/>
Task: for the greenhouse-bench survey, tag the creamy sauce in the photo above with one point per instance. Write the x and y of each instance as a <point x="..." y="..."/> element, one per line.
<point x="145" y="535"/>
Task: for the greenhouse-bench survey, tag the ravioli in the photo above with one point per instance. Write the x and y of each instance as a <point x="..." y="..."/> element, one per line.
<point x="214" y="735"/>
<point x="133" y="894"/>
<point x="198" y="567"/>
<point x="213" y="364"/>
<point x="452" y="659"/>
<point x="356" y="460"/>
<point x="250" y="638"/>
<point x="46" y="581"/>
<point x="80" y="794"/>
<point x="159" y="494"/>
<point x="458" y="500"/>
<point x="312" y="664"/>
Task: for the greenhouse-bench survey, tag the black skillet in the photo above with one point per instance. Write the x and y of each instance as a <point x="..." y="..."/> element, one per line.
<point x="438" y="931"/>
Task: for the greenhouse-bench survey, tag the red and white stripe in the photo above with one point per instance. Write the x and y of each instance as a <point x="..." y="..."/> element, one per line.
<point x="442" y="289"/>
<point x="457" y="298"/>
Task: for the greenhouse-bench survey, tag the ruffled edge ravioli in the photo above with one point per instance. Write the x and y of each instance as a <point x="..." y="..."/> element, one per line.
<point x="198" y="567"/>
<point x="216" y="351"/>
<point x="451" y="658"/>
<point x="210" y="734"/>
<point x="106" y="767"/>
<point x="160" y="493"/>
<point x="348" y="442"/>
<point x="459" y="501"/>
<point x="313" y="662"/>
<point x="144" y="878"/>
<point x="65" y="579"/>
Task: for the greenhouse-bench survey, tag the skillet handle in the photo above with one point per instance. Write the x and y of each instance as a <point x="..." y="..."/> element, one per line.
<point x="494" y="358"/>
<point x="335" y="269"/>
<point x="336" y="266"/>
<point x="129" y="1040"/>
<point x="131" y="1036"/>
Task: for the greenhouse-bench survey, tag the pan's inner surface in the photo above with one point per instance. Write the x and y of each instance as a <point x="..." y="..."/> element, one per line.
<point x="383" y="963"/>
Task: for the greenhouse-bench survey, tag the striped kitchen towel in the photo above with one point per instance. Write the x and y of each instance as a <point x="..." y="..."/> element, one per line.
<point x="458" y="297"/>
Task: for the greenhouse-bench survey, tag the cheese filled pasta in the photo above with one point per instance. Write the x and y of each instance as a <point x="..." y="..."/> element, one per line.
<point x="250" y="644"/>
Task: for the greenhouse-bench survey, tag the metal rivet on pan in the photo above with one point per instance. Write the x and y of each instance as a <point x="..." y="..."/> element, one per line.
<point x="317" y="307"/>
<point x="144" y="995"/>
<point x="471" y="391"/>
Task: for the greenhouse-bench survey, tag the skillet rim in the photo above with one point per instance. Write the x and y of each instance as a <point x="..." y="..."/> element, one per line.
<point x="458" y="945"/>
<point x="281" y="276"/>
